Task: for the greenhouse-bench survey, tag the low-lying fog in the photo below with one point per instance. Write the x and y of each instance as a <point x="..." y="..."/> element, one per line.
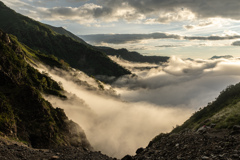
<point x="179" y="83"/>
<point x="155" y="100"/>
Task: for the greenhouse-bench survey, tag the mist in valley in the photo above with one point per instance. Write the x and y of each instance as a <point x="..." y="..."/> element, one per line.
<point x="180" y="83"/>
<point x="136" y="108"/>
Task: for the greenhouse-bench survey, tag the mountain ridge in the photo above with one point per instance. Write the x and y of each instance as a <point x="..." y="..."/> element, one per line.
<point x="133" y="56"/>
<point x="123" y="53"/>
<point x="61" y="30"/>
<point x="40" y="37"/>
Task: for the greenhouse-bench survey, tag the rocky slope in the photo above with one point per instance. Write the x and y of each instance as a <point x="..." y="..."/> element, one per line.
<point x="224" y="112"/>
<point x="12" y="150"/>
<point x="211" y="133"/>
<point x="205" y="144"/>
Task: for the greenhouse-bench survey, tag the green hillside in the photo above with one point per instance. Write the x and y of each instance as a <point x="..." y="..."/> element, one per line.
<point x="210" y="133"/>
<point x="40" y="37"/>
<point x="224" y="112"/>
<point x="24" y="114"/>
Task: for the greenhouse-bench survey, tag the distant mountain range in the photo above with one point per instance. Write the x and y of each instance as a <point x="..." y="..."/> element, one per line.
<point x="132" y="56"/>
<point x="219" y="57"/>
<point x="123" y="53"/>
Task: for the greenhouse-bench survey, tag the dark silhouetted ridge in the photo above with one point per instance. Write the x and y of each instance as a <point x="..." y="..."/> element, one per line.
<point x="132" y="56"/>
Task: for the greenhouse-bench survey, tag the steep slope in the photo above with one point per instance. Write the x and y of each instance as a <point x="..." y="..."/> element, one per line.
<point x="123" y="53"/>
<point x="132" y="56"/>
<point x="61" y="30"/>
<point x="40" y="37"/>
<point x="210" y="145"/>
<point x="210" y="133"/>
<point x="224" y="112"/>
<point x="25" y="115"/>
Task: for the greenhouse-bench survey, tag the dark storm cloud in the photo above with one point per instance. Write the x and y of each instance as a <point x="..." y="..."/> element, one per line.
<point x="76" y="1"/>
<point x="84" y="11"/>
<point x="202" y="8"/>
<point x="62" y="11"/>
<point x="126" y="38"/>
<point x="170" y="46"/>
<point x="212" y="38"/>
<point x="101" y="12"/>
<point x="204" y="24"/>
<point x="57" y="1"/>
<point x="236" y="43"/>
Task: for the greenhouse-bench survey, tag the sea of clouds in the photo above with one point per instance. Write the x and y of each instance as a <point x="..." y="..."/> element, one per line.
<point x="136" y="108"/>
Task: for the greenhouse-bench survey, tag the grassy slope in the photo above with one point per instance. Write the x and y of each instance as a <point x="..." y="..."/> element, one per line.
<point x="40" y="37"/>
<point x="224" y="111"/>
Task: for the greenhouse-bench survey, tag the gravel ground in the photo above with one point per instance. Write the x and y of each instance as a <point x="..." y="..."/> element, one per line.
<point x="207" y="144"/>
<point x="12" y="150"/>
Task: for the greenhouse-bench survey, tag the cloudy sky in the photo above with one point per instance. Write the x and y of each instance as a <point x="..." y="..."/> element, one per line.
<point x="186" y="28"/>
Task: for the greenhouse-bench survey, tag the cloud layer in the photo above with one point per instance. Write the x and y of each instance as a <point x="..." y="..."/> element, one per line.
<point x="144" y="11"/>
<point x="184" y="83"/>
<point x="153" y="101"/>
<point x="128" y="38"/>
<point x="114" y="126"/>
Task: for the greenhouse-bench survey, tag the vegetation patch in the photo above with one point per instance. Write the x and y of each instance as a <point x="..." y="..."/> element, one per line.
<point x="224" y="111"/>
